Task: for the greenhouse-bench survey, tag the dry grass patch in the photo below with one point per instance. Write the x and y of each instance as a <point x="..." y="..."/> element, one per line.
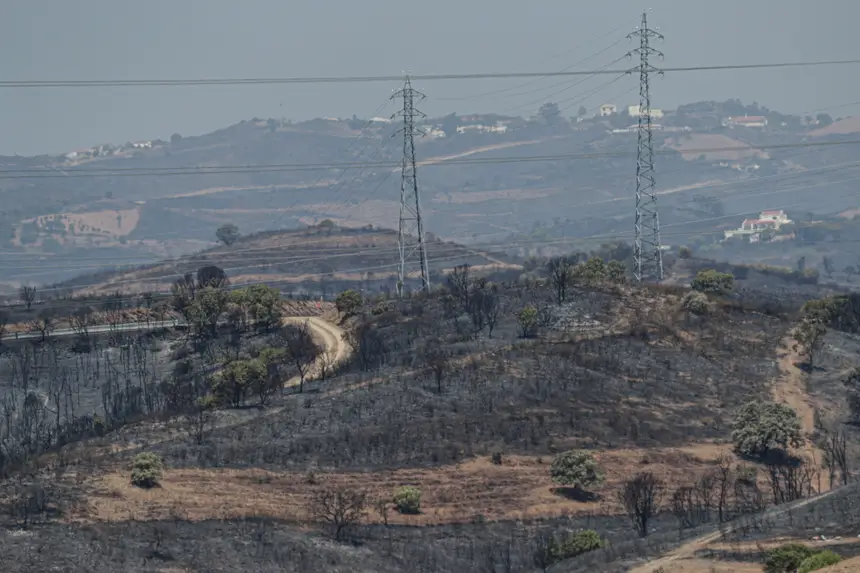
<point x="842" y="127"/>
<point x="726" y="148"/>
<point x="463" y="198"/>
<point x="520" y="488"/>
<point x="707" y="566"/>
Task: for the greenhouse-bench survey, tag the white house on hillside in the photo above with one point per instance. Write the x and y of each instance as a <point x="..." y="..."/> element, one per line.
<point x="767" y="221"/>
<point x="635" y="111"/>
<point x="608" y="109"/>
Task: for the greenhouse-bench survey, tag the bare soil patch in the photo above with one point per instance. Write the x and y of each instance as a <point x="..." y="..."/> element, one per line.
<point x="841" y="127"/>
<point x="726" y="148"/>
<point x="463" y="198"/>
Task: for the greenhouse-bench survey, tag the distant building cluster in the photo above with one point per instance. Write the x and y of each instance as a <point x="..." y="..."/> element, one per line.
<point x="500" y="127"/>
<point x="107" y="150"/>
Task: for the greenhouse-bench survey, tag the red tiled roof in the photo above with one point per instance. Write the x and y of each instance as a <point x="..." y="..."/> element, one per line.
<point x="778" y="212"/>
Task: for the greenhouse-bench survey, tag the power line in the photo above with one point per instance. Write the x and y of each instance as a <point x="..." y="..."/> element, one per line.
<point x="430" y="162"/>
<point x="390" y="78"/>
<point x="537" y="80"/>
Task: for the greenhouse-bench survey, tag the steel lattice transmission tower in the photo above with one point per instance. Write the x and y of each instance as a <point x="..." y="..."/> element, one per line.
<point x="410" y="234"/>
<point x="647" y="254"/>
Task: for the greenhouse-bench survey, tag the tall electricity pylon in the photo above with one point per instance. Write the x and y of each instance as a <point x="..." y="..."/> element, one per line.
<point x="647" y="254"/>
<point x="410" y="233"/>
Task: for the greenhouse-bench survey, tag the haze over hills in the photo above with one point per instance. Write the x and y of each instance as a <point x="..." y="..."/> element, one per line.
<point x="482" y="178"/>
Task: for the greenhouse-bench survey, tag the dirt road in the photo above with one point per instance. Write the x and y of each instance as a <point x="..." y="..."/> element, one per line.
<point x="689" y="549"/>
<point x="331" y="338"/>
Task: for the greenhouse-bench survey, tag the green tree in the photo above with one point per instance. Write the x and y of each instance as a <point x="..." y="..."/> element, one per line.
<point x="211" y="276"/>
<point x="761" y="427"/>
<point x="685" y="253"/>
<point x="809" y="335"/>
<point x="824" y="119"/>
<point x="348" y="302"/>
<point x="712" y="281"/>
<point x="228" y="234"/>
<point x="576" y="469"/>
<point x="786" y="558"/>
<point x="207" y="309"/>
<point x="237" y="379"/>
<point x="616" y="272"/>
<point x="549" y="114"/>
<point x="264" y="306"/>
<point x="146" y="470"/>
<point x="592" y="270"/>
<point x="407" y="500"/>
<point x="273" y="361"/>
<point x="528" y="321"/>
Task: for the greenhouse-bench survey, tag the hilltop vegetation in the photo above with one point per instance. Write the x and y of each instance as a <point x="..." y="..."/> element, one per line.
<point x="322" y="258"/>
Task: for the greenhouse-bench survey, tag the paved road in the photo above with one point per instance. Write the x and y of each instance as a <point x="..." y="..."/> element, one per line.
<point x="100" y="329"/>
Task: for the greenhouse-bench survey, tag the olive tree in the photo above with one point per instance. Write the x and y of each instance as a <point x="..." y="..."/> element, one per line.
<point x="761" y="427"/>
<point x="576" y="469"/>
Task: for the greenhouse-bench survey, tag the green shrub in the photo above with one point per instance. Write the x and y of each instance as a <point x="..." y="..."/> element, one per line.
<point x="348" y="302"/>
<point x="408" y="500"/>
<point x="819" y="561"/>
<point x="685" y="253"/>
<point x="713" y="281"/>
<point x="146" y="470"/>
<point x="576" y="469"/>
<point x="696" y="303"/>
<point x="786" y="558"/>
<point x="574" y="545"/>
<point x="841" y="312"/>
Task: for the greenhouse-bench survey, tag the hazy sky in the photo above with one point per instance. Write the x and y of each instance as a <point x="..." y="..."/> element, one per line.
<point x="125" y="39"/>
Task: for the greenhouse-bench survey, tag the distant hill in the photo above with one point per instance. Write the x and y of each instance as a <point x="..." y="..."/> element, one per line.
<point x="318" y="258"/>
<point x="148" y="201"/>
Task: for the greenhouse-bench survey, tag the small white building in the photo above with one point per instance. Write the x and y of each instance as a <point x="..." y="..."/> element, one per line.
<point x="745" y="121"/>
<point x="479" y="128"/>
<point x="636" y="111"/>
<point x="608" y="109"/>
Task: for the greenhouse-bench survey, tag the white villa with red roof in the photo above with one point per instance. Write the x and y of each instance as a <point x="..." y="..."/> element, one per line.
<point x="767" y="221"/>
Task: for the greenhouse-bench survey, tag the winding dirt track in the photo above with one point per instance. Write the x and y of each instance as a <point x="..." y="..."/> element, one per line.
<point x="331" y="337"/>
